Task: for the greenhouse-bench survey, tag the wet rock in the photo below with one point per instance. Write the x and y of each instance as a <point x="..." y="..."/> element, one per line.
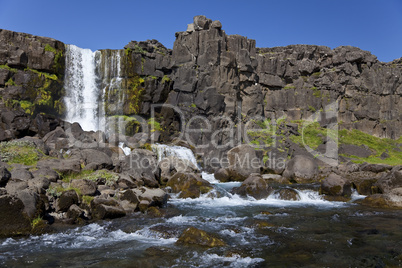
<point x="288" y="194"/>
<point x="106" y="209"/>
<point x="194" y="236"/>
<point x="275" y="178"/>
<point x="142" y="165"/>
<point x="130" y="196"/>
<point x="5" y="175"/>
<point x="390" y="181"/>
<point x="171" y="165"/>
<point x="254" y="186"/>
<point x="189" y="185"/>
<point x="155" y="197"/>
<point x="335" y="185"/>
<point x="13" y="220"/>
<point x="85" y="186"/>
<point x="66" y="200"/>
<point x="301" y="169"/>
<point x="392" y="199"/>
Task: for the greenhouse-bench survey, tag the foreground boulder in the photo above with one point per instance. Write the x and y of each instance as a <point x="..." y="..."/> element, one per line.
<point x="13" y="220"/>
<point x="189" y="185"/>
<point x="194" y="236"/>
<point x="301" y="169"/>
<point x="335" y="185"/>
<point x="150" y="198"/>
<point x="254" y="186"/>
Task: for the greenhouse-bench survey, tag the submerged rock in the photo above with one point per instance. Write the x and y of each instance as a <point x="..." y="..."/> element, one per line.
<point x="288" y="194"/>
<point x="194" y="236"/>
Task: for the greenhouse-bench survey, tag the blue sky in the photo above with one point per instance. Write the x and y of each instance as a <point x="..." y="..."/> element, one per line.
<point x="373" y="25"/>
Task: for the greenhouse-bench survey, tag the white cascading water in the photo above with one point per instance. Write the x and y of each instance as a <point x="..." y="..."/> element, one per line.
<point x="82" y="93"/>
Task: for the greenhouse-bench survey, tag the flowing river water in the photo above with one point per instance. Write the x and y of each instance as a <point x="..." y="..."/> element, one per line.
<point x="272" y="232"/>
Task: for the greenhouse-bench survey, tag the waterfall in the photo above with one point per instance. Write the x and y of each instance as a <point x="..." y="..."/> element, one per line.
<point x="90" y="78"/>
<point x="163" y="151"/>
<point x="82" y="92"/>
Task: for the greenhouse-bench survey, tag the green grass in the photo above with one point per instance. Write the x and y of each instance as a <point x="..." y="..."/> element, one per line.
<point x="87" y="199"/>
<point x="93" y="176"/>
<point x="19" y="152"/>
<point x="313" y="133"/>
<point x="379" y="145"/>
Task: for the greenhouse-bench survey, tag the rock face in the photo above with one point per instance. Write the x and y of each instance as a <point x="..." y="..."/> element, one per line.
<point x="31" y="72"/>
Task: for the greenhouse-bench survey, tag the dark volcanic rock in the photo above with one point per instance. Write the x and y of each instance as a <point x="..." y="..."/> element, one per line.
<point x="13" y="220"/>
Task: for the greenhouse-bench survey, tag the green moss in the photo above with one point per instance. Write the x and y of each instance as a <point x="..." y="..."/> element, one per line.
<point x="8" y="68"/>
<point x="44" y="74"/>
<point x="317" y="74"/>
<point x="193" y="105"/>
<point x="50" y="48"/>
<point x="289" y="86"/>
<point x="10" y="82"/>
<point x="87" y="199"/>
<point x="36" y="222"/>
<point x="316" y="92"/>
<point x="166" y="79"/>
<point x="154" y="125"/>
<point x="20" y="152"/>
<point x="127" y="51"/>
<point x="28" y="107"/>
<point x="146" y="146"/>
<point x="138" y="49"/>
<point x="310" y="135"/>
<point x="311" y="108"/>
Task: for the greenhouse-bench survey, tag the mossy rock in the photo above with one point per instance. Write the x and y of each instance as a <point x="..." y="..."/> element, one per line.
<point x="189" y="185"/>
<point x="194" y="236"/>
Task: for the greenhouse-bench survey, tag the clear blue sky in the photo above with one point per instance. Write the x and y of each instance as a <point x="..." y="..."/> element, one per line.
<point x="373" y="25"/>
